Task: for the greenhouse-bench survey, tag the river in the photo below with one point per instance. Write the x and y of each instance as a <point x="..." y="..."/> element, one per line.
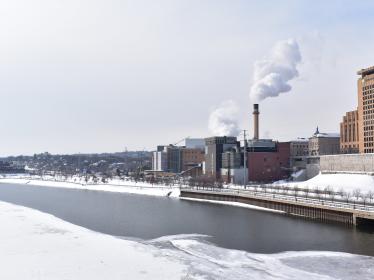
<point x="147" y="217"/>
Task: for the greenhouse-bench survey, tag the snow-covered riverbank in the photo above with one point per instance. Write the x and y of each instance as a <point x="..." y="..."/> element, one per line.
<point x="34" y="245"/>
<point x="112" y="186"/>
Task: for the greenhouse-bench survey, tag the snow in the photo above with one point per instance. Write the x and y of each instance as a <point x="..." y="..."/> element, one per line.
<point x="328" y="135"/>
<point x="348" y="182"/>
<point x="35" y="245"/>
<point x="231" y="203"/>
<point x="113" y="186"/>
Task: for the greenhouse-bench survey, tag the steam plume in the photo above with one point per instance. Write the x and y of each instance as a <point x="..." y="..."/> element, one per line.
<point x="271" y="76"/>
<point x="223" y="120"/>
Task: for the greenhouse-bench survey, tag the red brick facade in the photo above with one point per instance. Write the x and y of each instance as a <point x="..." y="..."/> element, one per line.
<point x="269" y="166"/>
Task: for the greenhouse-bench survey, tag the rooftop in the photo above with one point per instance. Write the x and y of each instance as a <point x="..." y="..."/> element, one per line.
<point x="327" y="135"/>
<point x="366" y="71"/>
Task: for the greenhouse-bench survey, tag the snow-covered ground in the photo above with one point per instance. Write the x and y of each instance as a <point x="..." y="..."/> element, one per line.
<point x="35" y="245"/>
<point x="112" y="186"/>
<point x="232" y="203"/>
<point x="347" y="182"/>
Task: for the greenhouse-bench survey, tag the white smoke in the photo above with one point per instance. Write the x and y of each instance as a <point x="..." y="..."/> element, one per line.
<point x="223" y="120"/>
<point x="271" y="76"/>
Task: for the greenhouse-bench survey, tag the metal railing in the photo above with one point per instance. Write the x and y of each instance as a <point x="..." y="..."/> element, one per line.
<point x="286" y="197"/>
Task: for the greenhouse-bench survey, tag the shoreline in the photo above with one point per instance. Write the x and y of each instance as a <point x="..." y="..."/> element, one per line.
<point x="127" y="187"/>
<point x="136" y="188"/>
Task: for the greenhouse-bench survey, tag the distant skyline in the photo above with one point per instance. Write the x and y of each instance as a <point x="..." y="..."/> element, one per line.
<point x="100" y="76"/>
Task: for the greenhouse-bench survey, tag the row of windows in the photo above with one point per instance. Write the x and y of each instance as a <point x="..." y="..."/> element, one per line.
<point x="368" y="110"/>
<point x="367" y="107"/>
<point x="368" y="128"/>
<point x="367" y="139"/>
<point x="367" y="97"/>
<point x="368" y="122"/>
<point x="367" y="94"/>
<point x="368" y="150"/>
<point x="368" y="87"/>
<point x="368" y="115"/>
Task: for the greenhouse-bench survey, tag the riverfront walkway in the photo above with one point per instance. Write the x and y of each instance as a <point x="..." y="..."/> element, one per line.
<point x="321" y="208"/>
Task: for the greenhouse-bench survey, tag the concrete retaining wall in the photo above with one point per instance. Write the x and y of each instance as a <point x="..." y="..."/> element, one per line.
<point x="312" y="170"/>
<point x="352" y="163"/>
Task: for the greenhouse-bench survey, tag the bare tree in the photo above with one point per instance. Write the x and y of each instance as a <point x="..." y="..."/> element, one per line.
<point x="306" y="191"/>
<point x="340" y="193"/>
<point x="329" y="192"/>
<point x="357" y="194"/>
<point x="370" y="195"/>
<point x="285" y="189"/>
<point x="364" y="198"/>
<point x="317" y="191"/>
<point x="296" y="190"/>
<point x="347" y="196"/>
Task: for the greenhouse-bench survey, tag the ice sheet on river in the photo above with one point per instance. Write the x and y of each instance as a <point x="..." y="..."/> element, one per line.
<point x="35" y="245"/>
<point x="207" y="261"/>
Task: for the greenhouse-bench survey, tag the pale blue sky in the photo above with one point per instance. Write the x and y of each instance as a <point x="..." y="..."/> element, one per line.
<point x="101" y="75"/>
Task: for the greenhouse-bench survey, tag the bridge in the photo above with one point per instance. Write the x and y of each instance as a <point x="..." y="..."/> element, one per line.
<point x="322" y="209"/>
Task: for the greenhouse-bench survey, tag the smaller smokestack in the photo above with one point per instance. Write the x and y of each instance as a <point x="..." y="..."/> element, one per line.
<point x="256" y="114"/>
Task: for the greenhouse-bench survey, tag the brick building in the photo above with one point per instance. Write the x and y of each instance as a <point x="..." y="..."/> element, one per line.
<point x="268" y="166"/>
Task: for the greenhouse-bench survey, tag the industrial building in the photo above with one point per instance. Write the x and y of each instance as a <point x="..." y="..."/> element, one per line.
<point x="271" y="165"/>
<point x="214" y="149"/>
<point x="179" y="159"/>
<point x="299" y="152"/>
<point x="260" y="160"/>
<point x="324" y="144"/>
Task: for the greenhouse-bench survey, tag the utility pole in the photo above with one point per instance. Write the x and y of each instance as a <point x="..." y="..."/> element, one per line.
<point x="245" y="159"/>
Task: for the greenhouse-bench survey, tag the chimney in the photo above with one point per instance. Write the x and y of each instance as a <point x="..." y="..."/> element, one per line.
<point x="256" y="112"/>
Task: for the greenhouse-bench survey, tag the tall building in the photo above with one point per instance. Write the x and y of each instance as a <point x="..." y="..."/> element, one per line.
<point x="365" y="86"/>
<point x="349" y="133"/>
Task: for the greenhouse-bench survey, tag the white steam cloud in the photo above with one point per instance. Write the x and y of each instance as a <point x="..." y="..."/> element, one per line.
<point x="271" y="76"/>
<point x="223" y="120"/>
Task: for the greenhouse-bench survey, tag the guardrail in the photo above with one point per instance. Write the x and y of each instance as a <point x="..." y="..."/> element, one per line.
<point x="286" y="197"/>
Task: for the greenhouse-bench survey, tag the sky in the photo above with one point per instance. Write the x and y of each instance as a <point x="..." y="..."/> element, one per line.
<point x="109" y="75"/>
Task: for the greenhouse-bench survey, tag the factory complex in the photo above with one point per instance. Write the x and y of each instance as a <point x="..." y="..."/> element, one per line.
<point x="241" y="161"/>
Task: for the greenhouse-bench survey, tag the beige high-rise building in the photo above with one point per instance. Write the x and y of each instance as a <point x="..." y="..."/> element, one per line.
<point x="366" y="110"/>
<point x="349" y="133"/>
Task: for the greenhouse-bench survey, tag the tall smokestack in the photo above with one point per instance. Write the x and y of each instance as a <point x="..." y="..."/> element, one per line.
<point x="256" y="113"/>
